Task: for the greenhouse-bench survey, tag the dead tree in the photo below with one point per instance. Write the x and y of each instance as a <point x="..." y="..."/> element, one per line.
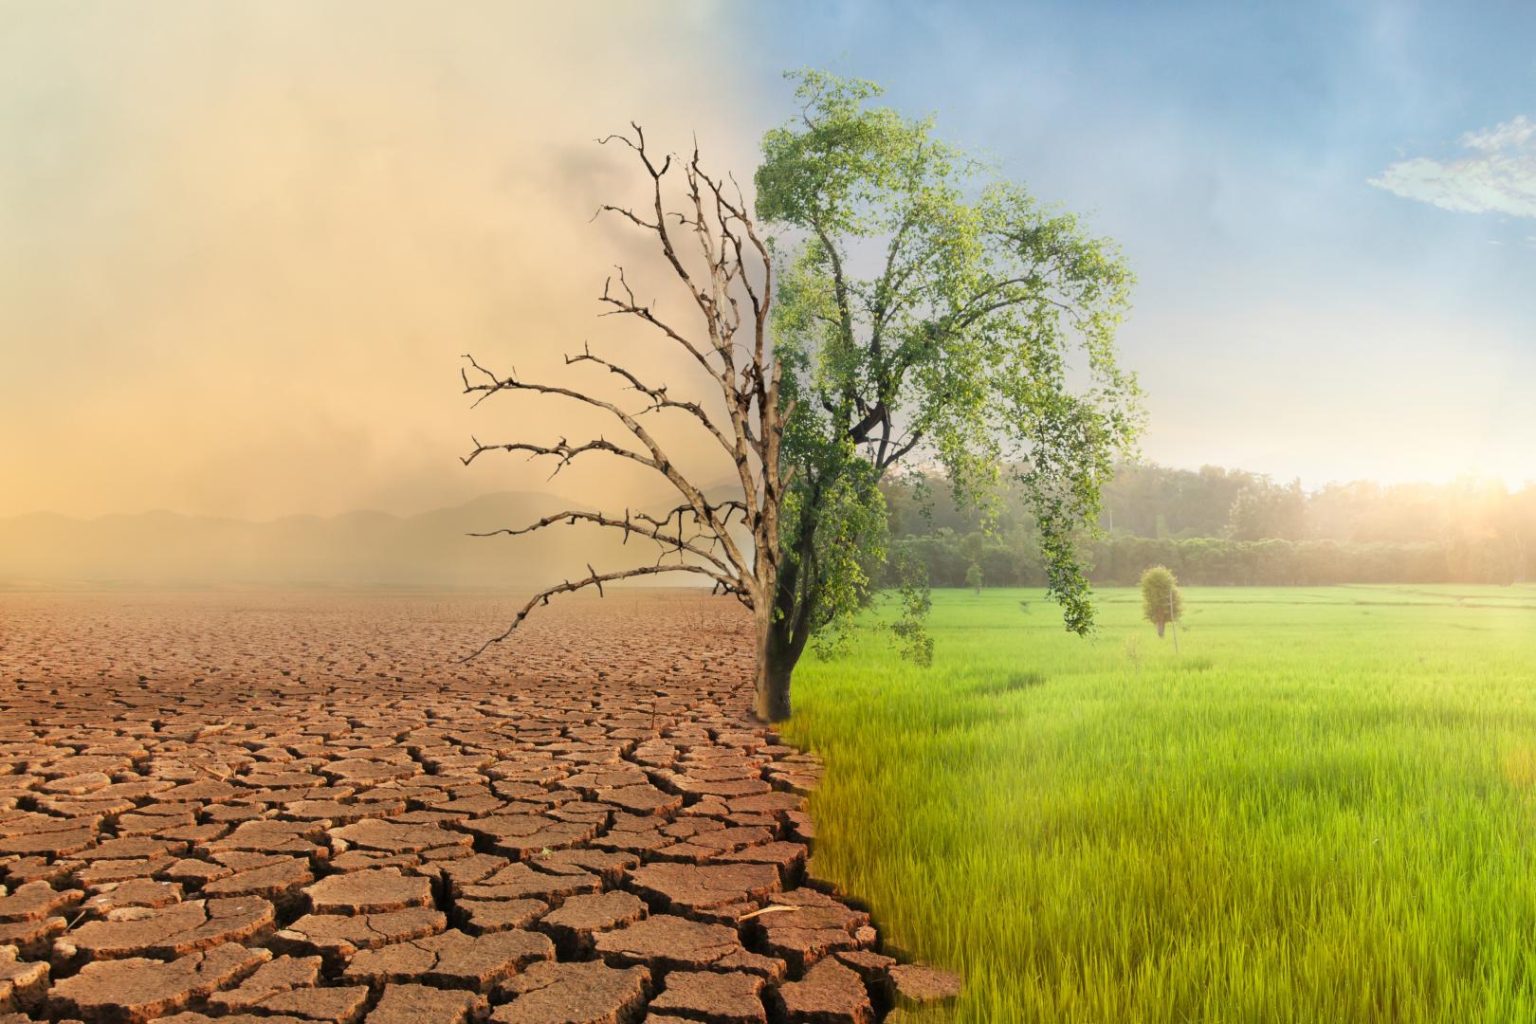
<point x="729" y="281"/>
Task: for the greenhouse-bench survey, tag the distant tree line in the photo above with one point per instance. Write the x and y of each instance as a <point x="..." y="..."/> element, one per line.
<point x="1229" y="527"/>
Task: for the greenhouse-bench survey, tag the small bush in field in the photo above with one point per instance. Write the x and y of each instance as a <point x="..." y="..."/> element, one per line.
<point x="1161" y="602"/>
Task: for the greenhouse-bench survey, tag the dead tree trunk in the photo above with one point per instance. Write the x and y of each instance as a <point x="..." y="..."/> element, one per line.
<point x="712" y="248"/>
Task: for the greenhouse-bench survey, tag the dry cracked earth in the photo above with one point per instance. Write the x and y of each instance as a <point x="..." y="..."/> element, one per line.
<point x="261" y="808"/>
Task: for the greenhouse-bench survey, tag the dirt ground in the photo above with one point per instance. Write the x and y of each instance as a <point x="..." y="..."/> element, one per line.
<point x="267" y="808"/>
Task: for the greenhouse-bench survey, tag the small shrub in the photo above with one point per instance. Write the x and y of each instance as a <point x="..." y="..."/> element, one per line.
<point x="1161" y="602"/>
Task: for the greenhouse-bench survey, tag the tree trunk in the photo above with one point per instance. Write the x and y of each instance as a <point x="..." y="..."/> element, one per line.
<point x="776" y="659"/>
<point x="1160" y="627"/>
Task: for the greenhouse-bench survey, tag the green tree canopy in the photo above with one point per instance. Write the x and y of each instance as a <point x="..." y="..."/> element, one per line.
<point x="926" y="308"/>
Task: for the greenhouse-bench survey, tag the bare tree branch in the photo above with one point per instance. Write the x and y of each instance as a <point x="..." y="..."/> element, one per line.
<point x="595" y="580"/>
<point x="647" y="527"/>
<point x="728" y="263"/>
<point x="562" y="450"/>
<point x="629" y="306"/>
<point x="658" y="395"/>
<point x="659" y="460"/>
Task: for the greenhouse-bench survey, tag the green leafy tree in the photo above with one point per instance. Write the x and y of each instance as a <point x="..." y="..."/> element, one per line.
<point x="974" y="577"/>
<point x="1161" y="602"/>
<point x="925" y="308"/>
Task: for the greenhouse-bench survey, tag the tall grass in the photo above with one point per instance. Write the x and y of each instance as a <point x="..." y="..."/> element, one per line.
<point x="1323" y="810"/>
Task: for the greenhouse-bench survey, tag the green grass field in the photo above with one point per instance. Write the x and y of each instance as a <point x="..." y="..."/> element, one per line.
<point x="1322" y="810"/>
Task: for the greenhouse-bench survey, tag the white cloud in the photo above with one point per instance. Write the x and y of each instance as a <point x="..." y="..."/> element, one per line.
<point x="1520" y="132"/>
<point x="1497" y="174"/>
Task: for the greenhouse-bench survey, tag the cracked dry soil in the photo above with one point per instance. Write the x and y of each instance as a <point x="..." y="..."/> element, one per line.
<point x="271" y="808"/>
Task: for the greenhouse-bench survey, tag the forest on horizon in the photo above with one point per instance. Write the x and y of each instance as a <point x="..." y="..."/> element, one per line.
<point x="1218" y="526"/>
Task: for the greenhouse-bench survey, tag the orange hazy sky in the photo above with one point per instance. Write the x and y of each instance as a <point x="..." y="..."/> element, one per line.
<point x="242" y="247"/>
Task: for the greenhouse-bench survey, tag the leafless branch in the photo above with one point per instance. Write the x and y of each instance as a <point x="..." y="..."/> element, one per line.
<point x="594" y="580"/>
<point x="658" y="395"/>
<point x="729" y="263"/>
<point x="633" y="524"/>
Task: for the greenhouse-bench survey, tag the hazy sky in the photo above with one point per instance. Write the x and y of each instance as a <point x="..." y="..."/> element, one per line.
<point x="242" y="245"/>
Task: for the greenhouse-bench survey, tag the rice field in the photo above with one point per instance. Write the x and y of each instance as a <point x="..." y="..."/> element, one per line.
<point x="1321" y="809"/>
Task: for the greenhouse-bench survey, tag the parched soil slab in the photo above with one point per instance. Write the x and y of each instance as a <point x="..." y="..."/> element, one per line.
<point x="367" y="770"/>
<point x="369" y="892"/>
<point x="190" y="1017"/>
<point x="920" y="983"/>
<point x="814" y="926"/>
<point x="99" y="875"/>
<point x="21" y="870"/>
<point x="830" y="993"/>
<point x="519" y="881"/>
<point x="334" y="935"/>
<point x="341" y="1004"/>
<point x="272" y="837"/>
<point x="452" y="959"/>
<point x="135" y="990"/>
<point x="725" y="997"/>
<point x="277" y="976"/>
<point x="33" y="901"/>
<point x="192" y="872"/>
<point x="461" y="871"/>
<point x="786" y="858"/>
<point x="138" y="892"/>
<point x="419" y="1004"/>
<point x="168" y="931"/>
<point x="397" y="837"/>
<point x="669" y="943"/>
<point x="683" y="888"/>
<point x="575" y="993"/>
<point x="48" y="844"/>
<point x="132" y="848"/>
<point x="277" y="882"/>
<point x="641" y="799"/>
<point x="479" y="917"/>
<point x="519" y="835"/>
<point x="609" y="865"/>
<point x="32" y="939"/>
<point x="23" y="983"/>
<point x="579" y="918"/>
<point x="872" y="967"/>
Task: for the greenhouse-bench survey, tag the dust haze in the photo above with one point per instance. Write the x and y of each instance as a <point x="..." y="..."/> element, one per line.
<point x="243" y="247"/>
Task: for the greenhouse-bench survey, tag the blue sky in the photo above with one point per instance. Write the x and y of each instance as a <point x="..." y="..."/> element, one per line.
<point x="1292" y="317"/>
